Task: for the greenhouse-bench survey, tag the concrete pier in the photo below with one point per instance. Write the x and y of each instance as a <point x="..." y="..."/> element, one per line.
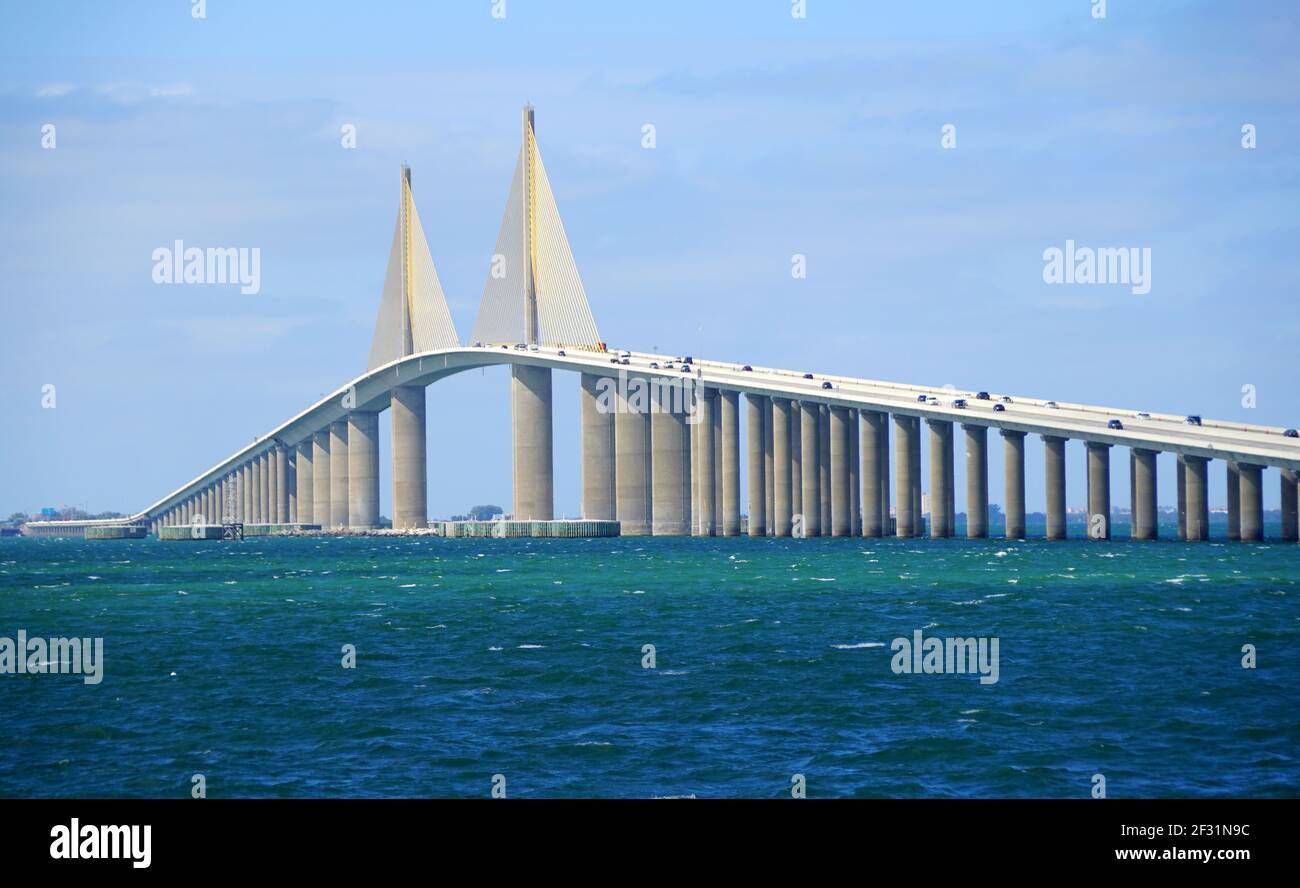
<point x="669" y="467"/>
<point x="757" y="466"/>
<point x="1181" y="484"/>
<point x="1252" y="503"/>
<point x="1013" y="470"/>
<point x="796" y="462"/>
<point x="782" y="501"/>
<point x="855" y="479"/>
<point x="410" y="457"/>
<point x="534" y="479"/>
<point x="824" y="466"/>
<point x="940" y="478"/>
<point x="280" y="474"/>
<point x="908" y="467"/>
<point x="1233" y="484"/>
<point x="1146" y="516"/>
<point x="597" y="412"/>
<point x="1054" y="470"/>
<point x="305" y="479"/>
<point x="810" y="482"/>
<point x="977" y="482"/>
<point x="874" y="444"/>
<point x="320" y="482"/>
<point x="1290" y="526"/>
<point x="258" y="492"/>
<point x="632" y="472"/>
<point x="717" y="463"/>
<point x="918" y="514"/>
<point x="769" y="469"/>
<point x="245" y="500"/>
<point x="886" y="529"/>
<point x="339" y="466"/>
<point x="1198" y="498"/>
<point x="1098" y="491"/>
<point x="841" y="486"/>
<point x="707" y="487"/>
<point x="729" y="401"/>
<point x="363" y="469"/>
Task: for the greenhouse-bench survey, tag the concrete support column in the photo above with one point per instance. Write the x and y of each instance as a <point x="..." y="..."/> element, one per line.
<point x="782" y="502"/>
<point x="410" y="457"/>
<point x="1181" y="483"/>
<point x="245" y="499"/>
<point x="885" y="528"/>
<point x="855" y="478"/>
<point x="840" y="451"/>
<point x="940" y="478"/>
<point x="796" y="462"/>
<point x="363" y="469"/>
<point x="259" y="489"/>
<point x="1252" y="502"/>
<point x="1098" y="490"/>
<point x="320" y="481"/>
<point x="717" y="463"/>
<point x="977" y="482"/>
<point x="534" y="479"/>
<point x="908" y="467"/>
<point x="280" y="473"/>
<point x="632" y="472"/>
<point x="730" y="403"/>
<point x="769" y="470"/>
<point x="918" y="514"/>
<point x="305" y="480"/>
<point x="1013" y="470"/>
<point x="1234" y="500"/>
<point x="669" y="466"/>
<point x="1198" y="498"/>
<point x="824" y="465"/>
<point x="1289" y="514"/>
<point x="339" y="467"/>
<point x="273" y="486"/>
<point x="874" y="444"/>
<point x="756" y="465"/>
<point x="598" y="400"/>
<point x="1054" y="469"/>
<point x="707" y="486"/>
<point x="810" y="482"/>
<point x="1146" y="517"/>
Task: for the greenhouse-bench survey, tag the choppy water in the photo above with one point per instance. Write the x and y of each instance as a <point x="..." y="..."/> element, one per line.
<point x="524" y="658"/>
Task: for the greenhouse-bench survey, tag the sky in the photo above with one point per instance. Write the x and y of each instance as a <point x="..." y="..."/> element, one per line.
<point x="775" y="135"/>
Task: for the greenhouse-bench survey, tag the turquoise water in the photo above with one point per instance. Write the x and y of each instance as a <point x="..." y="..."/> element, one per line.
<point x="524" y="658"/>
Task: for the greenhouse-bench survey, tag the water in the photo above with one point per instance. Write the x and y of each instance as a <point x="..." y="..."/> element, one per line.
<point x="524" y="658"/>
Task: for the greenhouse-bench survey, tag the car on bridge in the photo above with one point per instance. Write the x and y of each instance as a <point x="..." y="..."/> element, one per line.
<point x="747" y="369"/>
<point x="685" y="369"/>
<point x="1114" y="424"/>
<point x="560" y="353"/>
<point x="981" y="396"/>
<point x="1291" y="433"/>
<point x="999" y="408"/>
<point x="1053" y="405"/>
<point x="1141" y="414"/>
<point x="921" y="398"/>
<point x="654" y="365"/>
<point x="807" y="376"/>
<point x="959" y="403"/>
<point x="1193" y="420"/>
<point x="827" y="385"/>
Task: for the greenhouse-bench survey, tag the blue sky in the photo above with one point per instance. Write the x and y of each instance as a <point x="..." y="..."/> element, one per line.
<point x="775" y="136"/>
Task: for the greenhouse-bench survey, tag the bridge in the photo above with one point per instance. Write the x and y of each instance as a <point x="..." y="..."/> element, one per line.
<point x="661" y="434"/>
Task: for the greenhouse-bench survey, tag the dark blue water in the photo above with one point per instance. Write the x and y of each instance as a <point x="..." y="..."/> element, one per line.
<point x="524" y="658"/>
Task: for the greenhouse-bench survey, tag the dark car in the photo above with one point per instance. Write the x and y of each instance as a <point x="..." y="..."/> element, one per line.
<point x="1291" y="433"/>
<point x="921" y="398"/>
<point x="685" y="369"/>
<point x="827" y="385"/>
<point x="807" y="376"/>
<point x="999" y="408"/>
<point x="1006" y="399"/>
<point x="687" y="360"/>
<point x="1114" y="424"/>
<point x="747" y="369"/>
<point x="959" y="403"/>
<point x="981" y="396"/>
<point x="654" y="365"/>
<point x="1193" y="420"/>
<point x="560" y="352"/>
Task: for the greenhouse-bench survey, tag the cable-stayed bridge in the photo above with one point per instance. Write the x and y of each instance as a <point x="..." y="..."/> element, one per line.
<point x="661" y="436"/>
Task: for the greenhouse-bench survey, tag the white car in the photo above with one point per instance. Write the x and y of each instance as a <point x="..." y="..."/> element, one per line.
<point x="624" y="354"/>
<point x="533" y="347"/>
